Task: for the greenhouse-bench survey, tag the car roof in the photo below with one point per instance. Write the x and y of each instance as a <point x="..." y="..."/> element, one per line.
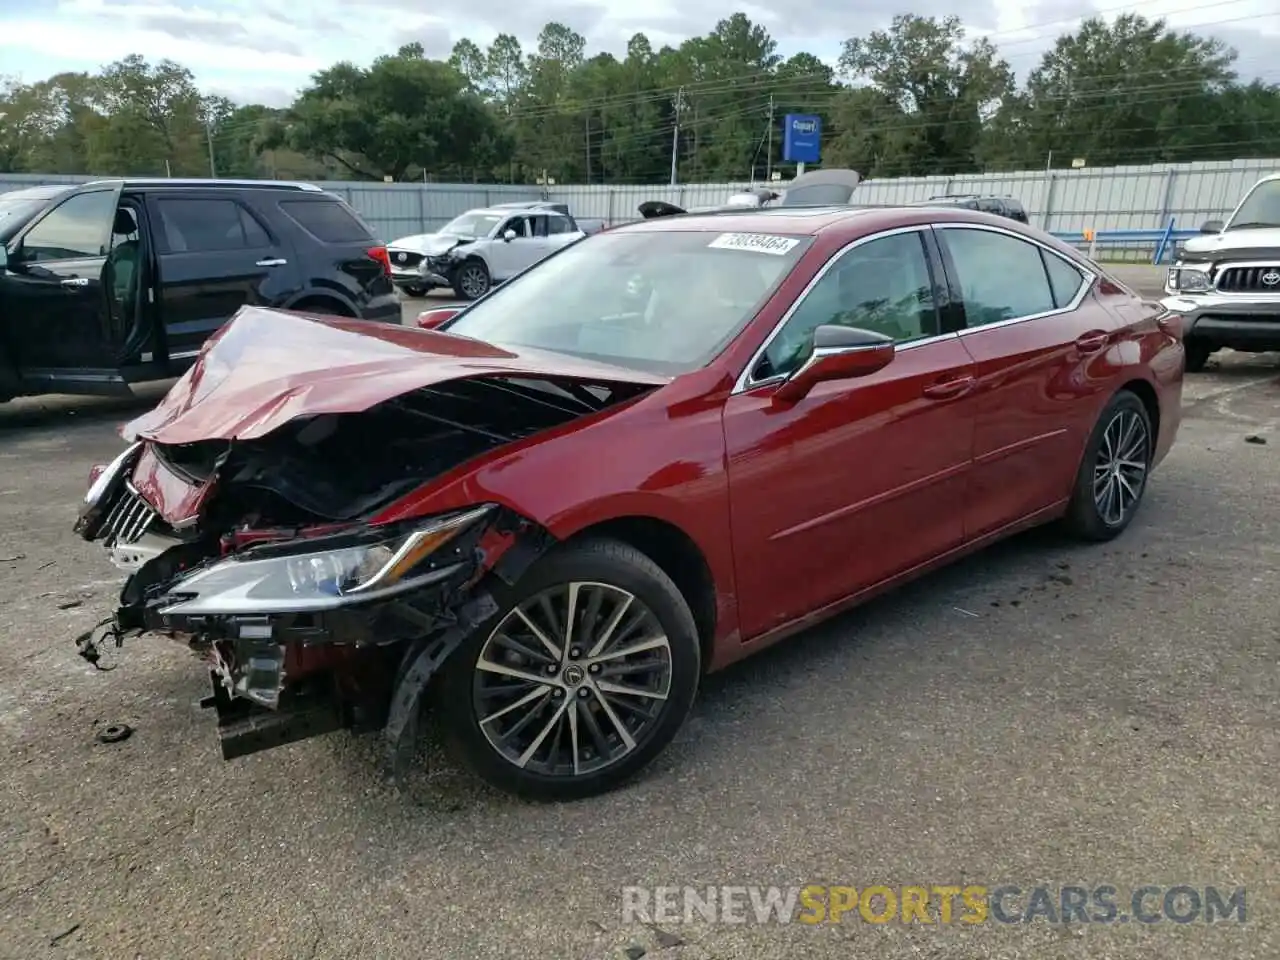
<point x="815" y="221"/>
<point x="208" y="184"/>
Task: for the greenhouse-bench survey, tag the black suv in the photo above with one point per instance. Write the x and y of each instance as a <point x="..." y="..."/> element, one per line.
<point x="1001" y="206"/>
<point x="115" y="282"/>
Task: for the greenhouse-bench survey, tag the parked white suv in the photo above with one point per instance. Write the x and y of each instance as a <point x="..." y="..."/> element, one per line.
<point x="480" y="248"/>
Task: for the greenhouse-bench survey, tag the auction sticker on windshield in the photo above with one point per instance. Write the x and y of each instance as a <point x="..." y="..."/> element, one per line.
<point x="759" y="242"/>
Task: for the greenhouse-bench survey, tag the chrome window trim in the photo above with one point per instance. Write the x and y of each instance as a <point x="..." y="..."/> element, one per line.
<point x="1090" y="278"/>
<point x="745" y="381"/>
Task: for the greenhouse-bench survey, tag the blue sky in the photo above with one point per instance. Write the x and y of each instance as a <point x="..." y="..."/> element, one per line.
<point x="253" y="51"/>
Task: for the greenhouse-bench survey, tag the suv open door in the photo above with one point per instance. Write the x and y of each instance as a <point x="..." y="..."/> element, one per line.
<point x="52" y="282"/>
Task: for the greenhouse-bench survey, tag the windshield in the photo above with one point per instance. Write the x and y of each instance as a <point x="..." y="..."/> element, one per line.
<point x="474" y="225"/>
<point x="664" y="302"/>
<point x="1261" y="208"/>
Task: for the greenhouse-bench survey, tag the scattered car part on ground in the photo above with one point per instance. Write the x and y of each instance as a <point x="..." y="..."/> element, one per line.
<point x="115" y="282"/>
<point x="1225" y="284"/>
<point x="115" y="733"/>
<point x="666" y="447"/>
<point x="481" y="247"/>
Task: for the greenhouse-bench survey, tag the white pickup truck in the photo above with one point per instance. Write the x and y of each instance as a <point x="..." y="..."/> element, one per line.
<point x="1225" y="284"/>
<point x="482" y="247"/>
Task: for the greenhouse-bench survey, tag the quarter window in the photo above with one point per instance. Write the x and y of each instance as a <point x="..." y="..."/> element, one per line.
<point x="1064" y="279"/>
<point x="1000" y="277"/>
<point x="883" y="285"/>
<point x="78" y="227"/>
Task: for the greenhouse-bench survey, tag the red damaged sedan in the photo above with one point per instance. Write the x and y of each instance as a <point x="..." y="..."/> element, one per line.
<point x="656" y="452"/>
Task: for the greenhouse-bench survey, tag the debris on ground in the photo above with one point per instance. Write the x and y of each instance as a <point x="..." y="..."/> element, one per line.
<point x="1255" y="438"/>
<point x="55" y="940"/>
<point x="115" y="733"/>
<point x="666" y="939"/>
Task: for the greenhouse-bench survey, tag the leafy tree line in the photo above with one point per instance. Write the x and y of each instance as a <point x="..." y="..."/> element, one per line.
<point x="917" y="98"/>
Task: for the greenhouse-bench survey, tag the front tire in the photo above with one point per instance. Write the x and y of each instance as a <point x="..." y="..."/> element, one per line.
<point x="1197" y="353"/>
<point x="415" y="292"/>
<point x="1113" y="473"/>
<point x="472" y="280"/>
<point x="555" y="712"/>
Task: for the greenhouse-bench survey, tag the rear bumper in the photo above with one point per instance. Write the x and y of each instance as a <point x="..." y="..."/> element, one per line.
<point x="1242" y="322"/>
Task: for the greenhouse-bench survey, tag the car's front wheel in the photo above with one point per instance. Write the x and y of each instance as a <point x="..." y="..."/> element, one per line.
<point x="1113" y="473"/>
<point x="584" y="675"/>
<point x="1197" y="354"/>
<point x="472" y="280"/>
<point x="415" y="291"/>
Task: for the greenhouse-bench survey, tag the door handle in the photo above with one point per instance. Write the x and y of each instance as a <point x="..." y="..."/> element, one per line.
<point x="946" y="389"/>
<point x="1093" y="341"/>
<point x="272" y="262"/>
<point x="75" y="282"/>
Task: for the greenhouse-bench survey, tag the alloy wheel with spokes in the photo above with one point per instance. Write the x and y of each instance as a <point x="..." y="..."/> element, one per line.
<point x="572" y="679"/>
<point x="473" y="280"/>
<point x="1120" y="472"/>
<point x="583" y="676"/>
<point x="1113" y="473"/>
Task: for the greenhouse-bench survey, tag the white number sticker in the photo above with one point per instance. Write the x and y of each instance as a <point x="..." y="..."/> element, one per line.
<point x="759" y="242"/>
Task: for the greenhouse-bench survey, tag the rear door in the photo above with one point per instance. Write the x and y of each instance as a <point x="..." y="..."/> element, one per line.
<point x="56" y="309"/>
<point x="214" y="256"/>
<point x="1037" y="340"/>
<point x="561" y="231"/>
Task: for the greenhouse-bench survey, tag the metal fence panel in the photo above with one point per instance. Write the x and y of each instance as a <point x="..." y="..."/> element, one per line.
<point x="1105" y="198"/>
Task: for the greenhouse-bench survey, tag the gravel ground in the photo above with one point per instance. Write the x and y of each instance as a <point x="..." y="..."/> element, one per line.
<point x="1043" y="714"/>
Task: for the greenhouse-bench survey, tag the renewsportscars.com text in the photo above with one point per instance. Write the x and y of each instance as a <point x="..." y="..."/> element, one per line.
<point x="933" y="904"/>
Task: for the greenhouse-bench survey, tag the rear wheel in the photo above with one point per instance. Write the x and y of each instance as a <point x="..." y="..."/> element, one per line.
<point x="1113" y="474"/>
<point x="1197" y="354"/>
<point x="472" y="281"/>
<point x="322" y="306"/>
<point x="415" y="291"/>
<point x="584" y="675"/>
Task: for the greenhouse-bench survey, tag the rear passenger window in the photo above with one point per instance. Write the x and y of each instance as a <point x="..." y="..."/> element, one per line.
<point x="327" y="220"/>
<point x="1065" y="279"/>
<point x="1000" y="277"/>
<point x="558" y="225"/>
<point x="193" y="225"/>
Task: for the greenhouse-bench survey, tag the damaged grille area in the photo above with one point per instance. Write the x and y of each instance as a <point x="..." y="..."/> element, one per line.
<point x="128" y="519"/>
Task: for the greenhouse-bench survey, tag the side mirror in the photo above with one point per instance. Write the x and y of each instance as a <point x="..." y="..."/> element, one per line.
<point x="1211" y="226"/>
<point x="430" y="319"/>
<point x="4" y="258"/>
<point x="839" y="353"/>
<point x="508" y="236"/>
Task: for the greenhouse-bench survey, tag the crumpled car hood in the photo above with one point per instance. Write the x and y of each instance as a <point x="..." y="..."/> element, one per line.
<point x="265" y="368"/>
<point x="1248" y="238"/>
<point x="430" y="244"/>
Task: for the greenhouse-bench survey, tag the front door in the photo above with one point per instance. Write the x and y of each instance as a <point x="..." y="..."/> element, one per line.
<point x="214" y="257"/>
<point x="863" y="478"/>
<point x="509" y="257"/>
<point x="1034" y="348"/>
<point x="57" y="318"/>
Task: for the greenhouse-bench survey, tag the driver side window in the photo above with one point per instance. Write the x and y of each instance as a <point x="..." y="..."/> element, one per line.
<point x="518" y="224"/>
<point x="883" y="285"/>
<point x="77" y="228"/>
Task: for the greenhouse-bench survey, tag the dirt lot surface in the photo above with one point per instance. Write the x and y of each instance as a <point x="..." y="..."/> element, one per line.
<point x="1043" y="714"/>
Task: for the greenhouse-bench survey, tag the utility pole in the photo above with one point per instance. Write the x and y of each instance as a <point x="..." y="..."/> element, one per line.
<point x="678" y="103"/>
<point x="588" y="142"/>
<point x="768" y="158"/>
<point x="208" y="132"/>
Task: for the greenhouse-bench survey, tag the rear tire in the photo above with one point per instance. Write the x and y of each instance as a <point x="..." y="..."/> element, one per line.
<point x="563" y="728"/>
<point x="471" y="280"/>
<point x="1197" y="354"/>
<point x="415" y="292"/>
<point x="1113" y="472"/>
<point x="322" y="307"/>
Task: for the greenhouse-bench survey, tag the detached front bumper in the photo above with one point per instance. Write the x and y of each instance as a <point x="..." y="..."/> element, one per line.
<point x="1249" y="322"/>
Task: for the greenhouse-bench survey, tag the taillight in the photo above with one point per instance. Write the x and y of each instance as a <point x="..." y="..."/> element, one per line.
<point x="380" y="254"/>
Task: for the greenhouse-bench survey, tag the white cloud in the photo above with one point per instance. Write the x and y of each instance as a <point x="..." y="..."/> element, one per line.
<point x="253" y="52"/>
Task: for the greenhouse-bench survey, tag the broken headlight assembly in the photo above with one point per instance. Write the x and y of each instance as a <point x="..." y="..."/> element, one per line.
<point x="302" y="577"/>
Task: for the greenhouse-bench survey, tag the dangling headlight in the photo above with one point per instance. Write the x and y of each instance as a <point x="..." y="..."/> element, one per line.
<point x="313" y="581"/>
